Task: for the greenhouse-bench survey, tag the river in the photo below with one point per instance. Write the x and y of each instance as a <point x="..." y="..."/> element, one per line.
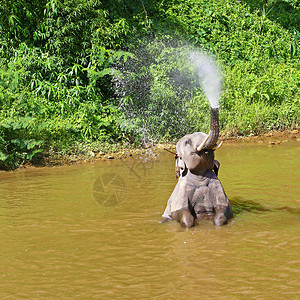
<point x="92" y="231"/>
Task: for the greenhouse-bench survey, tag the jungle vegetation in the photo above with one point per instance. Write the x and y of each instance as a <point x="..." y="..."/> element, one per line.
<point x="61" y="62"/>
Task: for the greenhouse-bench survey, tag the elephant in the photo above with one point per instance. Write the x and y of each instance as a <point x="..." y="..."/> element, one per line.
<point x="198" y="193"/>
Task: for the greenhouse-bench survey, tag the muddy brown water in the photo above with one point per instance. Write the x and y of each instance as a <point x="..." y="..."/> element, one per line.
<point x="92" y="231"/>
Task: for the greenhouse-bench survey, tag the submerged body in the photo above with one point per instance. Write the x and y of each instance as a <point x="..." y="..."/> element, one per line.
<point x="202" y="197"/>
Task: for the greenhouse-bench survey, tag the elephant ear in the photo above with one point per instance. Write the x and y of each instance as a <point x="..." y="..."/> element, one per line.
<point x="216" y="167"/>
<point x="180" y="166"/>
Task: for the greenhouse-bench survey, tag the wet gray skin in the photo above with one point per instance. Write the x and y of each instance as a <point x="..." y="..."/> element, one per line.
<point x="198" y="193"/>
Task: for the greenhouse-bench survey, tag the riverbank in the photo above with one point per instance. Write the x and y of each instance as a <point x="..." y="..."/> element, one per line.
<point x="119" y="151"/>
<point x="140" y="67"/>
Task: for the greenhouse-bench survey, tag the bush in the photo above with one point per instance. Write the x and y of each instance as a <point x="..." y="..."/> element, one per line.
<point x="61" y="66"/>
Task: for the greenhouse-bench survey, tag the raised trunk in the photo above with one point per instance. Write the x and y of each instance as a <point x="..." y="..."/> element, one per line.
<point x="214" y="129"/>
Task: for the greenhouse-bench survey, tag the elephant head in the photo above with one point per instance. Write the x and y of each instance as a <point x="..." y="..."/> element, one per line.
<point x="195" y="152"/>
<point x="198" y="193"/>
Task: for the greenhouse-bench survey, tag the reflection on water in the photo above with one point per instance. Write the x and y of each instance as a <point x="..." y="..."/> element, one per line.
<point x="59" y="241"/>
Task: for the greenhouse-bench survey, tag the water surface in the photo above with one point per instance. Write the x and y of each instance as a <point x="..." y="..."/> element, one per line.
<point x="92" y="231"/>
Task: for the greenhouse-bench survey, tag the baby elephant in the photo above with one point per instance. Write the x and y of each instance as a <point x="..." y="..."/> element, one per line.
<point x="198" y="193"/>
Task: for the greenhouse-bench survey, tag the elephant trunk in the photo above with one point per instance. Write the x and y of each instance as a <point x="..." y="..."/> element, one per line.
<point x="214" y="129"/>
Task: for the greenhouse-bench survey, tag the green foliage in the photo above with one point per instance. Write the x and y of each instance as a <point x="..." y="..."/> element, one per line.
<point x="257" y="46"/>
<point x="260" y="98"/>
<point x="18" y="21"/>
<point x="61" y="79"/>
<point x="158" y="84"/>
<point x="60" y="62"/>
<point x="19" y="141"/>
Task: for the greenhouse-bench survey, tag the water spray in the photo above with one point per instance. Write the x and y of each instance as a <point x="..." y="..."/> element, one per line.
<point x="209" y="75"/>
<point x="155" y="89"/>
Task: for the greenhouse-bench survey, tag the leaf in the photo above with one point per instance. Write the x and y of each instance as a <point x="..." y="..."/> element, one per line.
<point x="252" y="91"/>
<point x="30" y="155"/>
<point x="293" y="49"/>
<point x="30" y="144"/>
<point x="267" y="96"/>
<point x="271" y="52"/>
<point x="6" y="125"/>
<point x="104" y="72"/>
<point x="3" y="157"/>
<point x="18" y="142"/>
<point x="294" y="77"/>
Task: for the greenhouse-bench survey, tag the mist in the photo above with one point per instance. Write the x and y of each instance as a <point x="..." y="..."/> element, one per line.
<point x="209" y="75"/>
